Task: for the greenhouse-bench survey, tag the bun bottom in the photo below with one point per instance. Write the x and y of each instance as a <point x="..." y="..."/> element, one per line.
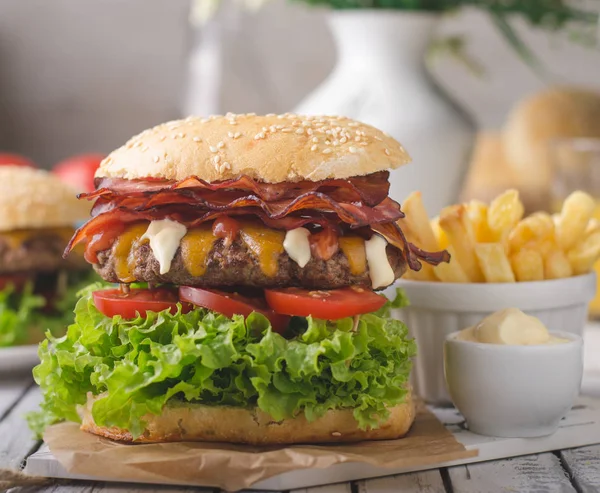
<point x="197" y="422"/>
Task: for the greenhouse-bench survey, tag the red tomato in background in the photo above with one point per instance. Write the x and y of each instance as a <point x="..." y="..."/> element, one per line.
<point x="78" y="171"/>
<point x="16" y="159"/>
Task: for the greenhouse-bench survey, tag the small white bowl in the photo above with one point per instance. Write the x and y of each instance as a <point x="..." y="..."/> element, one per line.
<point x="438" y="309"/>
<point x="513" y="391"/>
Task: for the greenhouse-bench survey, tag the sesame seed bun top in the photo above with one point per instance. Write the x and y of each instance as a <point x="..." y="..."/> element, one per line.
<point x="32" y="198"/>
<point x="271" y="148"/>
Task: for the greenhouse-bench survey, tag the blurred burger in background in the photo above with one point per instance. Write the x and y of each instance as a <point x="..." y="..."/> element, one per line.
<point x="37" y="286"/>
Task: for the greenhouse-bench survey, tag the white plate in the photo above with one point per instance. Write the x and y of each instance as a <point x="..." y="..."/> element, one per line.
<point x="18" y="358"/>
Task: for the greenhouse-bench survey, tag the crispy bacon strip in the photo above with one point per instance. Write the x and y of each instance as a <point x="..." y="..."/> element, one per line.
<point x="414" y="255"/>
<point x="371" y="189"/>
<point x="355" y="214"/>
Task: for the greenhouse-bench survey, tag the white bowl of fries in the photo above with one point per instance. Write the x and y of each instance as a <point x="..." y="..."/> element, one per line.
<point x="542" y="264"/>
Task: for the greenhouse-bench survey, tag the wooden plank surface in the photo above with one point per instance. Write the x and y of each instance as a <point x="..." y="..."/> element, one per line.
<point x="416" y="482"/>
<point x="583" y="465"/>
<point x="12" y="388"/>
<point x="17" y="441"/>
<point x="87" y="487"/>
<point x="531" y="474"/>
<point x="330" y="488"/>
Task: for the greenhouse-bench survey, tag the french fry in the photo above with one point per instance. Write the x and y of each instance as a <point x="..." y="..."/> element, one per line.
<point x="556" y="265"/>
<point x="592" y="227"/>
<point x="577" y="210"/>
<point x="451" y="271"/>
<point x="417" y="228"/>
<point x="494" y="262"/>
<point x="504" y="213"/>
<point x="544" y="247"/>
<point x="455" y="222"/>
<point x="417" y="222"/>
<point x="527" y="265"/>
<point x="584" y="255"/>
<point x="478" y="212"/>
<point x="440" y="234"/>
<point x="537" y="227"/>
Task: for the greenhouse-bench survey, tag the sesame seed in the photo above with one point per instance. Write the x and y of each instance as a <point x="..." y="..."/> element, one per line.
<point x="387" y="152"/>
<point x="328" y="142"/>
<point x="225" y="165"/>
<point x="213" y="149"/>
<point x="230" y="135"/>
<point x="357" y="138"/>
<point x="144" y="149"/>
<point x="336" y="434"/>
<point x="343" y="140"/>
<point x="237" y="135"/>
<point x="197" y="139"/>
<point x="327" y="151"/>
<point x="315" y="139"/>
<point x="220" y="144"/>
<point x="232" y="122"/>
<point x="353" y="149"/>
<point x="273" y="128"/>
<point x="363" y="144"/>
<point x="300" y="131"/>
<point x="216" y="159"/>
<point x="108" y="160"/>
<point x="309" y="131"/>
<point x="260" y="135"/>
<point x="376" y="137"/>
<point x="138" y="144"/>
<point x="313" y="147"/>
<point x="265" y="129"/>
<point x="156" y="159"/>
<point x="250" y="114"/>
<point x="270" y="114"/>
<point x="353" y="124"/>
<point x="181" y="135"/>
<point x="162" y="138"/>
<point x="286" y="130"/>
<point x="336" y="142"/>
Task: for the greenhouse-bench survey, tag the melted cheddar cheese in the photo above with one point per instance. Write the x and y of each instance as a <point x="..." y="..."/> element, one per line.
<point x="266" y="245"/>
<point x="16" y="238"/>
<point x="195" y="248"/>
<point x="123" y="251"/>
<point x="353" y="247"/>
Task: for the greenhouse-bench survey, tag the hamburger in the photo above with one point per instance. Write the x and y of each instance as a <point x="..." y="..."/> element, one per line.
<point x="37" y="286"/>
<point x="248" y="251"/>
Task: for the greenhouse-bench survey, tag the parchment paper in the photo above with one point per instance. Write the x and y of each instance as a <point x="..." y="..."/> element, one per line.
<point x="234" y="467"/>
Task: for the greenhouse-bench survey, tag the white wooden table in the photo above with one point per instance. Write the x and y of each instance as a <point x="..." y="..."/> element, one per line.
<point x="575" y="470"/>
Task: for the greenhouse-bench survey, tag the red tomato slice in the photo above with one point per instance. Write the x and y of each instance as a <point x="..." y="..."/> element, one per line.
<point x="113" y="302"/>
<point x="230" y="304"/>
<point x="15" y="159"/>
<point x="16" y="280"/>
<point x="79" y="171"/>
<point x="327" y="305"/>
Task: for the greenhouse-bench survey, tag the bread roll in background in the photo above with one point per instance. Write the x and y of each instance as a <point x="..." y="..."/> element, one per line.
<point x="555" y="113"/>
<point x="489" y="173"/>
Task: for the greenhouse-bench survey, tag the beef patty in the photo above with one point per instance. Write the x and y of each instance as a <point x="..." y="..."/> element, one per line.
<point x="39" y="252"/>
<point x="235" y="265"/>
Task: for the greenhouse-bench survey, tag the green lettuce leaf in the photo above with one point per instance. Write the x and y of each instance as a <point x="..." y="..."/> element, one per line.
<point x="21" y="319"/>
<point x="138" y="365"/>
<point x="18" y="314"/>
